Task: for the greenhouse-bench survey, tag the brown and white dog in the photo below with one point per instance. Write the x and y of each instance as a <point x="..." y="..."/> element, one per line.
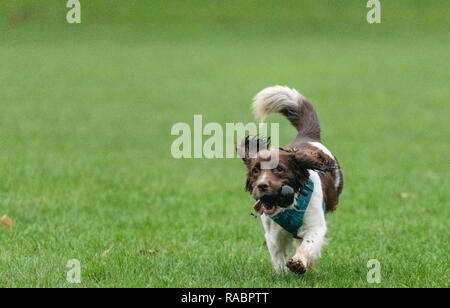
<point x="306" y="159"/>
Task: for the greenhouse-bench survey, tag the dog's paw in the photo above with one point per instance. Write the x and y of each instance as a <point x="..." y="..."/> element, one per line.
<point x="296" y="266"/>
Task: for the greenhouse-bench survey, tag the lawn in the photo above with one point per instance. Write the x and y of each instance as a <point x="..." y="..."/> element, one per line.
<point x="85" y="118"/>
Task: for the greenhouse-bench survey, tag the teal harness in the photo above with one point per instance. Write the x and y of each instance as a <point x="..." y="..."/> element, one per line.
<point x="291" y="219"/>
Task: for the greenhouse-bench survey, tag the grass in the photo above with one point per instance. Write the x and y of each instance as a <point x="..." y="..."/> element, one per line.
<point x="85" y="164"/>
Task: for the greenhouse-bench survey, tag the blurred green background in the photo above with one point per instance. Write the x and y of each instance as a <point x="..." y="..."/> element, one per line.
<point x="85" y="117"/>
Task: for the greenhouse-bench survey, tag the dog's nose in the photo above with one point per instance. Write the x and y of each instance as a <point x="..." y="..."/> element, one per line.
<point x="263" y="186"/>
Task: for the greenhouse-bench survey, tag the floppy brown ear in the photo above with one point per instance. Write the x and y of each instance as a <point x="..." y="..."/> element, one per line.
<point x="313" y="158"/>
<point x="250" y="146"/>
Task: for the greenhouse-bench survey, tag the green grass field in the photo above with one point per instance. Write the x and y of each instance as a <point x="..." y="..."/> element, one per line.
<point x="86" y="112"/>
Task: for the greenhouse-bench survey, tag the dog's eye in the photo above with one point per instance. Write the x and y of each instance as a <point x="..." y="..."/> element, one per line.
<point x="255" y="171"/>
<point x="280" y="169"/>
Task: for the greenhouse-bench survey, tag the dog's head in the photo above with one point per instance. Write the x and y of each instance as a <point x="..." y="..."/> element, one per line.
<point x="292" y="168"/>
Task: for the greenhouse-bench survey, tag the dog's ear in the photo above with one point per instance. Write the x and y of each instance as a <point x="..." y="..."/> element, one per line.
<point x="313" y="158"/>
<point x="250" y="146"/>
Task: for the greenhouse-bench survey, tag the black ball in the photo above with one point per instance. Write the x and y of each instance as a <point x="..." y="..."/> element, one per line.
<point x="287" y="194"/>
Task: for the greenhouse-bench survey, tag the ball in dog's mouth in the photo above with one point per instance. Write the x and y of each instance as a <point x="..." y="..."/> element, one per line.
<point x="287" y="195"/>
<point x="268" y="204"/>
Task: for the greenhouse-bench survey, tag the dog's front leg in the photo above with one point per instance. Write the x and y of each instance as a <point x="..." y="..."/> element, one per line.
<point x="308" y="252"/>
<point x="278" y="254"/>
<point x="276" y="243"/>
<point x="312" y="232"/>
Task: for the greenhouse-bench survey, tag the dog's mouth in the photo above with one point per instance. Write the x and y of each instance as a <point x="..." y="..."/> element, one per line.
<point x="264" y="208"/>
<point x="268" y="204"/>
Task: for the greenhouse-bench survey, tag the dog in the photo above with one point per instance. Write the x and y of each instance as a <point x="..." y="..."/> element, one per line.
<point x="295" y="232"/>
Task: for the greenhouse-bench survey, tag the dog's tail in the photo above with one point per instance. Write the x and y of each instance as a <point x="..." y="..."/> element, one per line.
<point x="292" y="105"/>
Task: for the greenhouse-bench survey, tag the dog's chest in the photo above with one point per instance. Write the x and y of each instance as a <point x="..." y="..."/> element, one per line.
<point x="276" y="234"/>
<point x="291" y="219"/>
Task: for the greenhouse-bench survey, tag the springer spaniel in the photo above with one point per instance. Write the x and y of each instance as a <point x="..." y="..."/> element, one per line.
<point x="307" y="175"/>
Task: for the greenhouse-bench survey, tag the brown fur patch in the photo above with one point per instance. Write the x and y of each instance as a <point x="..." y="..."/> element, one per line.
<point x="330" y="194"/>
